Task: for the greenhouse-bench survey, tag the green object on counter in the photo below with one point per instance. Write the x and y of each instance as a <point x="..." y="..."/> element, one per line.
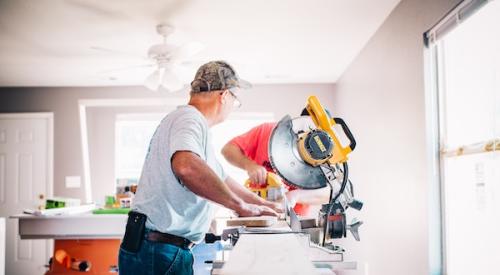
<point x="110" y="200"/>
<point x="50" y="204"/>
<point x="111" y="211"/>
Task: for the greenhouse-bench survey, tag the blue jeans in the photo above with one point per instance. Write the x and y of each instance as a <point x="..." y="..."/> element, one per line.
<point x="156" y="258"/>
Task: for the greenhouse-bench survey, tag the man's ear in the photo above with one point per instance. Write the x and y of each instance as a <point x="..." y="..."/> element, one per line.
<point x="223" y="96"/>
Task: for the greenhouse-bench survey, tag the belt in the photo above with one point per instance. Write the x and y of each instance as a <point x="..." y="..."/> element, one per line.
<point x="160" y="237"/>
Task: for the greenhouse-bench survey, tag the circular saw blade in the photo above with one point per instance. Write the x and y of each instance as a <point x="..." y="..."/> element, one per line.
<point x="286" y="161"/>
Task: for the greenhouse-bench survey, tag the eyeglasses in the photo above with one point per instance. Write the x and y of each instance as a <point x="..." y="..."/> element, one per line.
<point x="236" y="102"/>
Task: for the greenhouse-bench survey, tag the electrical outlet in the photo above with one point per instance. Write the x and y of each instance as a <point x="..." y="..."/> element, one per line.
<point x="73" y="182"/>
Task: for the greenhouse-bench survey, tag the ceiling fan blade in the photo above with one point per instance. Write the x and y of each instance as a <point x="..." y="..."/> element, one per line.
<point x="186" y="51"/>
<point x="152" y="82"/>
<point x="118" y="52"/>
<point x="170" y="81"/>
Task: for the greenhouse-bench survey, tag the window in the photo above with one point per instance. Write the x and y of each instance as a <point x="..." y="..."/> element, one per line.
<point x="466" y="60"/>
<point x="134" y="131"/>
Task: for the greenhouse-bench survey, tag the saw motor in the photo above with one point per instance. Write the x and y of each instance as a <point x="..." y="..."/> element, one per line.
<point x="315" y="147"/>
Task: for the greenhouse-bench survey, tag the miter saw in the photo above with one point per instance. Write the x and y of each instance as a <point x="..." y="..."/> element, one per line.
<point x="307" y="153"/>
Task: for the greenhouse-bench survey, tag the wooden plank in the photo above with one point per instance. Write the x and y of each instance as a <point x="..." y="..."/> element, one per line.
<point x="262" y="221"/>
<point x="268" y="254"/>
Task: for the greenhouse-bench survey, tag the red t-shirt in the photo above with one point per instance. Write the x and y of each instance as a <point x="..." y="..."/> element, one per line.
<point x="254" y="144"/>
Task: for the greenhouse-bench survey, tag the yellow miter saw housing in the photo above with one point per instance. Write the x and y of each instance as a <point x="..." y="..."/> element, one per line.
<point x="307" y="153"/>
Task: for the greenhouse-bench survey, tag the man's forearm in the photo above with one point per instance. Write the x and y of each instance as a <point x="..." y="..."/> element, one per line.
<point x="197" y="176"/>
<point x="235" y="156"/>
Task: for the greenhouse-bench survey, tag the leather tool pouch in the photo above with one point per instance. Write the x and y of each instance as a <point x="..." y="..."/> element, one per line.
<point x="134" y="232"/>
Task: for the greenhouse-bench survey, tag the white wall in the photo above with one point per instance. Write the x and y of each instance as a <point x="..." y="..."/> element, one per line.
<point x="381" y="97"/>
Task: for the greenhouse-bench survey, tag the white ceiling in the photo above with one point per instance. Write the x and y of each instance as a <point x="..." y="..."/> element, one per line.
<point x="49" y="43"/>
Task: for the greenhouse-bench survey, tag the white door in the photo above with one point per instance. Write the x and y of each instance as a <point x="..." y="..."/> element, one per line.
<point x="26" y="154"/>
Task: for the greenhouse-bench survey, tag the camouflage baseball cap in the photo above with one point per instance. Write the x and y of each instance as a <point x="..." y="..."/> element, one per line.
<point x="217" y="75"/>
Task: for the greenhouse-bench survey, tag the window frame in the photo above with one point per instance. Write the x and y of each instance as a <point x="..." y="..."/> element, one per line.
<point x="435" y="91"/>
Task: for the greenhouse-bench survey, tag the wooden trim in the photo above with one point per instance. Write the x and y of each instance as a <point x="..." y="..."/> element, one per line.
<point x="85" y="153"/>
<point x="475" y="148"/>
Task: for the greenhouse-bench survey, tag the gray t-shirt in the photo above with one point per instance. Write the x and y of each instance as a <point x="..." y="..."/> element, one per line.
<point x="170" y="206"/>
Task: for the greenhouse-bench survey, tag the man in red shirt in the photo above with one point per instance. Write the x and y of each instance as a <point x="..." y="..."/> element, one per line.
<point x="249" y="152"/>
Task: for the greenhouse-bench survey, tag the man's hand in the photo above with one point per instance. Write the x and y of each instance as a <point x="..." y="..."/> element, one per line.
<point x="276" y="206"/>
<point x="250" y="210"/>
<point x="256" y="173"/>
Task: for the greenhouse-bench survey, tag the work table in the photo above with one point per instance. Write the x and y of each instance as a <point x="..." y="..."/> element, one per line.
<point x="80" y="226"/>
<point x="253" y="253"/>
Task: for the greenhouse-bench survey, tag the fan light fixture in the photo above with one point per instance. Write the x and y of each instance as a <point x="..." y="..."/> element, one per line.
<point x="167" y="57"/>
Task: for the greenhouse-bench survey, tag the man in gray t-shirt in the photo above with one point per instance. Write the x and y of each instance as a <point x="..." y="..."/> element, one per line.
<point x="182" y="179"/>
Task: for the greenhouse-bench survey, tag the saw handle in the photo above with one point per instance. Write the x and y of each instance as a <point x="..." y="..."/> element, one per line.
<point x="352" y="141"/>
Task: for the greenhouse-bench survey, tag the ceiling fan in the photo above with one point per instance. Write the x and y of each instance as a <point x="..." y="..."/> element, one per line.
<point x="166" y="59"/>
